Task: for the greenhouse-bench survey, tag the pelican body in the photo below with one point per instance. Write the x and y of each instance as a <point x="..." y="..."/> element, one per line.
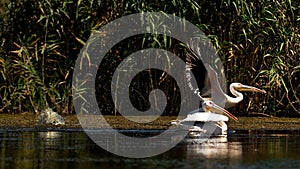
<point x="205" y="124"/>
<point x="211" y="122"/>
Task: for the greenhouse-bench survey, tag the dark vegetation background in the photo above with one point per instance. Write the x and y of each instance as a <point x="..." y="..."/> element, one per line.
<point x="258" y="42"/>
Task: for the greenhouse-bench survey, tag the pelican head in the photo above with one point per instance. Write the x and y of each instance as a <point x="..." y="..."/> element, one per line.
<point x="209" y="106"/>
<point x="240" y="87"/>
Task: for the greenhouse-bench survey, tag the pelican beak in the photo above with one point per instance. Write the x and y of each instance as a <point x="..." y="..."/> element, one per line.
<point x="251" y="89"/>
<point x="217" y="109"/>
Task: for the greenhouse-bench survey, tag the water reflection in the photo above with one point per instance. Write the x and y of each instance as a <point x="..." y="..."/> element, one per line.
<point x="214" y="150"/>
<point x="28" y="149"/>
<point x="73" y="149"/>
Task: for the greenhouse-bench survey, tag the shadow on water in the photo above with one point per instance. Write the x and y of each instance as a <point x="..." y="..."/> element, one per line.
<point x="28" y="148"/>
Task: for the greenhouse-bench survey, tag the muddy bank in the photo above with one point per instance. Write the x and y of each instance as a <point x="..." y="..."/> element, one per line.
<point x="275" y="123"/>
<point x="118" y="122"/>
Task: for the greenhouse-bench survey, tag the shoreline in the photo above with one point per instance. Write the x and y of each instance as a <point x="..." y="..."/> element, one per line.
<point x="26" y="120"/>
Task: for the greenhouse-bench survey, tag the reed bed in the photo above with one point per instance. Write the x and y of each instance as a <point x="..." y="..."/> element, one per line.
<point x="258" y="42"/>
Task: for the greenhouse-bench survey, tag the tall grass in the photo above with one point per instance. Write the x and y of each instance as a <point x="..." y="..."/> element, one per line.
<point x="258" y="42"/>
<point x="265" y="52"/>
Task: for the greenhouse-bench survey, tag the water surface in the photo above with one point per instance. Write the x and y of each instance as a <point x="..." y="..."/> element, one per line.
<point x="48" y="148"/>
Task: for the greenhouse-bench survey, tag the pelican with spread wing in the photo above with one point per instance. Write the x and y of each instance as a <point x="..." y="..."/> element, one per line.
<point x="214" y="91"/>
<point x="235" y="88"/>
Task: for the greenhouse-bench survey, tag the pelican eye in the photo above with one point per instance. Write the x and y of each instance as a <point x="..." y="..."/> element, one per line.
<point x="210" y="103"/>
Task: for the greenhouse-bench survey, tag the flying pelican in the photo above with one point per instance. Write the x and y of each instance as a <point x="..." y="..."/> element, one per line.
<point x="235" y="88"/>
<point x="209" y="122"/>
<point x="215" y="92"/>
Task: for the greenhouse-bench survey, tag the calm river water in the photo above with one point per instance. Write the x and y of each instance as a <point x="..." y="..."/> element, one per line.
<point x="30" y="148"/>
